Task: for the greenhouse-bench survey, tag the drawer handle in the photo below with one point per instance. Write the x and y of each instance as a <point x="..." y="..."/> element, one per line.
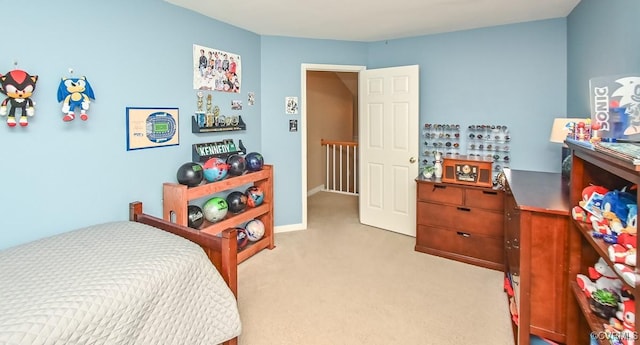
<point x="464" y="209"/>
<point x="463" y="234"/>
<point x="489" y="192"/>
<point x="438" y="186"/>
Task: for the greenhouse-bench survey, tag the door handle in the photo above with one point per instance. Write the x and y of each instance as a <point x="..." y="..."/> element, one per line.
<point x="412" y="160"/>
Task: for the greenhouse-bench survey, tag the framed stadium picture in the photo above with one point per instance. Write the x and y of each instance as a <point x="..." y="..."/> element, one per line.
<point x="151" y="127"/>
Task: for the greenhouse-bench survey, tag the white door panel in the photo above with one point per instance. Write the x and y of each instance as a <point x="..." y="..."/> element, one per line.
<point x="389" y="104"/>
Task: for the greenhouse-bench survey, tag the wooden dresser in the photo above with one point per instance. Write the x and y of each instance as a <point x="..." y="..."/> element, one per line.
<point x="462" y="223"/>
<point x="537" y="215"/>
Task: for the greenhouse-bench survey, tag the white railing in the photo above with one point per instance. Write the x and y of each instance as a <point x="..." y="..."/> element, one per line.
<point x="341" y="174"/>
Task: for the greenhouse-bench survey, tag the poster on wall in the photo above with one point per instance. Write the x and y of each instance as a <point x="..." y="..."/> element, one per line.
<point x="151" y="127"/>
<point x="615" y="106"/>
<point x="291" y="105"/>
<point x="216" y="70"/>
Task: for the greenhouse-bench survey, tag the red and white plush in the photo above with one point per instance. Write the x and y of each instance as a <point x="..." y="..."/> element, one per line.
<point x="623" y="326"/>
<point x="619" y="253"/>
<point x="609" y="224"/>
<point x="601" y="276"/>
<point x="578" y="213"/>
<point x="627" y="273"/>
<point x="588" y="191"/>
<point x="627" y="315"/>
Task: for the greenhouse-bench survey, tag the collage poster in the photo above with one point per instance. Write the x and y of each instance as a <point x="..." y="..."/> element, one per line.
<point x="216" y="70"/>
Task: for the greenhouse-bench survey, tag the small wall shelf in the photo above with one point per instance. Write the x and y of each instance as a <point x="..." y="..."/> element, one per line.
<point x="195" y="127"/>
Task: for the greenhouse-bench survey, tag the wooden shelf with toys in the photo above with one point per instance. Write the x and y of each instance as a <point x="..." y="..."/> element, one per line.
<point x="178" y="197"/>
<point x="603" y="240"/>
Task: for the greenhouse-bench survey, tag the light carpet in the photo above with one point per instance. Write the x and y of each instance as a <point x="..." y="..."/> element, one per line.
<point x="340" y="282"/>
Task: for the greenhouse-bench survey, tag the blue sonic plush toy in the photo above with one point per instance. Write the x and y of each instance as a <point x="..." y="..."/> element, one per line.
<point x="75" y="93"/>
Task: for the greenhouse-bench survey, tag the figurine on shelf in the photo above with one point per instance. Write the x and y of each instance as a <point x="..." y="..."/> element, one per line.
<point x="437" y="172"/>
<point x="209" y="105"/>
<point x="200" y="101"/>
<point x="594" y="132"/>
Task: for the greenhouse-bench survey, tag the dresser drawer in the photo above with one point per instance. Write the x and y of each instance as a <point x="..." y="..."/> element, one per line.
<point x="488" y="199"/>
<point x="440" y="193"/>
<point x="460" y="243"/>
<point x="466" y="219"/>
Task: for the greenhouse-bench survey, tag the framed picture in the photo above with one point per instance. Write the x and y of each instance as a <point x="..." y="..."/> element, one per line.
<point x="151" y="127"/>
<point x="291" y="105"/>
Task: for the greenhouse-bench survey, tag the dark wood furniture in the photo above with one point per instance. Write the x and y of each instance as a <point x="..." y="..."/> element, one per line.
<point x="220" y="250"/>
<point x="537" y="217"/>
<point x="591" y="167"/>
<point x="462" y="223"/>
<point x="176" y="198"/>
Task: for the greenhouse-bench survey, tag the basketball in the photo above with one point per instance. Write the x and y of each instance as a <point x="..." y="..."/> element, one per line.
<point x="195" y="217"/>
<point x="255" y="196"/>
<point x="215" y="209"/>
<point x="236" y="202"/>
<point x="255" y="230"/>
<point x="243" y="240"/>
<point x="190" y="174"/>
<point x="255" y="162"/>
<point x="215" y="169"/>
<point x="237" y="164"/>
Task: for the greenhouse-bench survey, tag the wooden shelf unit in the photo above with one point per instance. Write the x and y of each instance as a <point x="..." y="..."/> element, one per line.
<point x="592" y="167"/>
<point x="176" y="198"/>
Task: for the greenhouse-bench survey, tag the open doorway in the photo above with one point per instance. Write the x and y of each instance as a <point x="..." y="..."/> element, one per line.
<point x="329" y="111"/>
<point x="388" y="144"/>
<point x="332" y="131"/>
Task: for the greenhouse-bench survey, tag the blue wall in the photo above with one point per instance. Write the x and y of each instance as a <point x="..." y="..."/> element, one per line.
<point x="512" y="75"/>
<point x="281" y="77"/>
<point x="603" y="40"/>
<point x="59" y="176"/>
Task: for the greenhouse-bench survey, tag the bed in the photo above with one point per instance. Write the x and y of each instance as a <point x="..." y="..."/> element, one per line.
<point x="123" y="282"/>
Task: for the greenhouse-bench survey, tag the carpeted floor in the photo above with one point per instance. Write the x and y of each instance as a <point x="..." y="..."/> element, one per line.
<point x="340" y="282"/>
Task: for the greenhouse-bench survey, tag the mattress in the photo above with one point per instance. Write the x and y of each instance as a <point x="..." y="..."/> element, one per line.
<point x="114" y="283"/>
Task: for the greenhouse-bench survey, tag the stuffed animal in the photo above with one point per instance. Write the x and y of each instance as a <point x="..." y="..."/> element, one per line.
<point x="608" y="224"/>
<point x="625" y="321"/>
<point x="621" y="254"/>
<point x="578" y="213"/>
<point x="75" y="93"/>
<point x="627" y="273"/>
<point x="624" y="250"/>
<point x="632" y="220"/>
<point x="592" y="196"/>
<point x="601" y="276"/>
<point x="18" y="85"/>
<point x="618" y="202"/>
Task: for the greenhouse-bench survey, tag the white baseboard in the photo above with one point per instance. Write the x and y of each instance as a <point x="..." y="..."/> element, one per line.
<point x="288" y="228"/>
<point x="315" y="190"/>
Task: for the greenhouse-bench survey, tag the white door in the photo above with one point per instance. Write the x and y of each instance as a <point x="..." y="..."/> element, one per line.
<point x="388" y="144"/>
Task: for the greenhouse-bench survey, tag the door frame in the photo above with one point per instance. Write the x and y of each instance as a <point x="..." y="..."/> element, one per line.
<point x="303" y="120"/>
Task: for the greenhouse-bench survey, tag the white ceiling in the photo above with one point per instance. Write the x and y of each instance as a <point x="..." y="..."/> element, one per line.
<point x="367" y="20"/>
